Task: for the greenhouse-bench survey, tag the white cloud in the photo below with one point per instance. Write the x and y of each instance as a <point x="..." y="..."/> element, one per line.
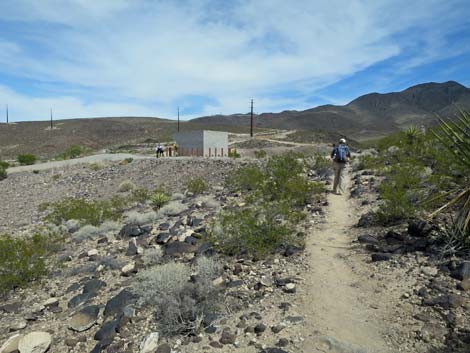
<point x="156" y="53"/>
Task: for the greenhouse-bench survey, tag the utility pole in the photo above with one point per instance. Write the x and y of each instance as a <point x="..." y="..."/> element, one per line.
<point x="178" y="119"/>
<point x="51" y="118"/>
<point x="251" y="124"/>
<point x="7" y="113"/>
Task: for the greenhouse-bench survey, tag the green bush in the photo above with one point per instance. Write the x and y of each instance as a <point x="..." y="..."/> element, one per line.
<point x="260" y="154"/>
<point x="257" y="231"/>
<point x="95" y="166"/>
<point x="4" y="164"/>
<point x="73" y="151"/>
<point x="159" y="198"/>
<point x="454" y="239"/>
<point x="322" y="165"/>
<point x="233" y="153"/>
<point x="279" y="179"/>
<point x="22" y="260"/>
<point x="87" y="212"/>
<point x="26" y="159"/>
<point x="197" y="185"/>
<point x="140" y="195"/>
<point x="3" y="173"/>
<point x="276" y="192"/>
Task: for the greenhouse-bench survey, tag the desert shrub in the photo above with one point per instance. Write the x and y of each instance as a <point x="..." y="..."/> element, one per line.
<point x="73" y="151"/>
<point x="179" y="304"/>
<point x="95" y="166"/>
<point x="197" y="185"/>
<point x="173" y="208"/>
<point x="258" y="231"/>
<point x="129" y="160"/>
<point x="23" y="259"/>
<point x="139" y="218"/>
<point x="233" y="153"/>
<point x="279" y="179"/>
<point x="87" y="212"/>
<point x="26" y="159"/>
<point x="126" y="186"/>
<point x="260" y="154"/>
<point x="86" y="232"/>
<point x="140" y="195"/>
<point x="152" y="256"/>
<point x="159" y="199"/>
<point x="3" y="173"/>
<point x="4" y="164"/>
<point x="400" y="194"/>
<point x="322" y="165"/>
<point x="454" y="239"/>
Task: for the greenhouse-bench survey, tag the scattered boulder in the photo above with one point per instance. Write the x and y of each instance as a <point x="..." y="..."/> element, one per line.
<point x="117" y="304"/>
<point x="381" y="257"/>
<point x="164" y="348"/>
<point x="132" y="248"/>
<point x="85" y="318"/>
<point x="366" y="220"/>
<point x="149" y="343"/>
<point x="367" y="239"/>
<point x="93" y="286"/>
<point x="179" y="248"/>
<point x="129" y="230"/>
<point x="35" y="342"/>
<point x="418" y="228"/>
<point x="129" y="269"/>
<point x="462" y="271"/>
<point x="11" y="344"/>
<point x="227" y="336"/>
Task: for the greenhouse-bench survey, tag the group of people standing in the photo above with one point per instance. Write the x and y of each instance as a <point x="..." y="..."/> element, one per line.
<point x="160" y="150"/>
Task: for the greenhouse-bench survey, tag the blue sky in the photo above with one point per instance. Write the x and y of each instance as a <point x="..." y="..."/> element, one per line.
<point x="87" y="58"/>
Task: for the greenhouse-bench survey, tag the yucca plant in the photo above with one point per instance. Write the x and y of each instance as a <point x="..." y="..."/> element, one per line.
<point x="455" y="136"/>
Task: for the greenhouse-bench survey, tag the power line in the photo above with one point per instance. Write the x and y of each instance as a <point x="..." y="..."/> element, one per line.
<point x="251" y="123"/>
<point x="178" y="119"/>
<point x="7" y="113"/>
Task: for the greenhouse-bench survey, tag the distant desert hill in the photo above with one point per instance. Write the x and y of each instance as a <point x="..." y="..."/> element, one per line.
<point x="96" y="133"/>
<point x="370" y="115"/>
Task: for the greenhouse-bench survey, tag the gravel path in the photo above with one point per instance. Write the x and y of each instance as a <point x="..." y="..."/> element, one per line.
<point x="96" y="158"/>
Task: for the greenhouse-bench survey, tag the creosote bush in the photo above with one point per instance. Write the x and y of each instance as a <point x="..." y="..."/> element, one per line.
<point x="179" y="304"/>
<point x="23" y="259"/>
<point x="260" y="154"/>
<point x="275" y="193"/>
<point x="26" y="159"/>
<point x="197" y="185"/>
<point x="86" y="211"/>
<point x="3" y="173"/>
<point x="73" y="151"/>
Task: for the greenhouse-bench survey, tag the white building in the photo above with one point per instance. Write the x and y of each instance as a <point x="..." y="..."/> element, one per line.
<point x="204" y="143"/>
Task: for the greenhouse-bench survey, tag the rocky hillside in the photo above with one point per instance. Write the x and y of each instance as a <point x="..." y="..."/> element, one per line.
<point x="95" y="134"/>
<point x="370" y="115"/>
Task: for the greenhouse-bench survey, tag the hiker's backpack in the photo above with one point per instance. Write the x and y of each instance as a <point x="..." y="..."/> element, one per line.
<point x="340" y="154"/>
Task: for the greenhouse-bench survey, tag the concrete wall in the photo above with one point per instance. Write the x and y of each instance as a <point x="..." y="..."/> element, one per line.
<point x="190" y="142"/>
<point x="202" y="143"/>
<point x="215" y="142"/>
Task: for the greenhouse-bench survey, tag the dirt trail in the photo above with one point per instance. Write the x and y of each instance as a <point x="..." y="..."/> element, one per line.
<point x="338" y="305"/>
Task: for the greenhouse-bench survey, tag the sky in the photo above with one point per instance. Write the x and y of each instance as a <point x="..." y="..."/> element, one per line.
<point x="89" y="58"/>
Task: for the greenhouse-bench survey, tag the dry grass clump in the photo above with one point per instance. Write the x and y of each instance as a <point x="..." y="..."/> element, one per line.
<point x="179" y="304"/>
<point x="140" y="219"/>
<point x="126" y="186"/>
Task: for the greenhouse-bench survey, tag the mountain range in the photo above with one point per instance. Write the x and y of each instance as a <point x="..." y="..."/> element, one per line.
<point x="370" y="115"/>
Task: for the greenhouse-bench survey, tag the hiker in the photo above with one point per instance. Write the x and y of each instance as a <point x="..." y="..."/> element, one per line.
<point x="175" y="149"/>
<point x="340" y="155"/>
<point x="158" y="150"/>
